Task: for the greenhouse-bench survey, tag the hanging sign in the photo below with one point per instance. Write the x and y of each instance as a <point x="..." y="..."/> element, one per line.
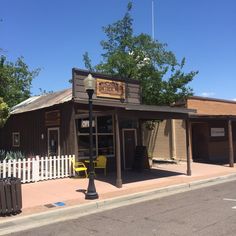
<point x="110" y="89"/>
<point x="217" y="132"/>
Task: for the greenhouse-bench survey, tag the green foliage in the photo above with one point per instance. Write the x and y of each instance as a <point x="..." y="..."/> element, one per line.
<point x="4" y="112"/>
<point x="11" y="155"/>
<point x="139" y="57"/>
<point x="87" y="62"/>
<point x="15" y="80"/>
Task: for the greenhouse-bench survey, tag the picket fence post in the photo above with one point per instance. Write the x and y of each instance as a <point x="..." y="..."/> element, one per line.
<point x="4" y="169"/>
<point x="14" y="168"/>
<point x="46" y="167"/>
<point x="62" y="166"/>
<point x="35" y="169"/>
<point x="54" y="167"/>
<point x="72" y="171"/>
<point x="19" y="168"/>
<point x="66" y="165"/>
<point x="50" y="167"/>
<point x="24" y="170"/>
<point x="28" y="169"/>
<point x="9" y="168"/>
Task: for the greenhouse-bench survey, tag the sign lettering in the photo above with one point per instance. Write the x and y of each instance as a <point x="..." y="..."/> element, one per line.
<point x="110" y="89"/>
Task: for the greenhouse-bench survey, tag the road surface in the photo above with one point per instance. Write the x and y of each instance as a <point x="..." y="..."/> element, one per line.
<point x="207" y="211"/>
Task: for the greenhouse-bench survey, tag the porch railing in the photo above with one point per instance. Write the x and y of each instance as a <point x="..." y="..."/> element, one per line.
<point x="38" y="168"/>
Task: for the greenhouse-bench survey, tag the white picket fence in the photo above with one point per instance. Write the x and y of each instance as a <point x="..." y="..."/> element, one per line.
<point x="38" y="168"/>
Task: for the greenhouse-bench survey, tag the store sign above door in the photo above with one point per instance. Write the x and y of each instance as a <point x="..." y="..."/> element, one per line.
<point x="110" y="89"/>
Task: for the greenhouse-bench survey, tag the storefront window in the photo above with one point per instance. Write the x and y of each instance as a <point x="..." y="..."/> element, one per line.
<point x="103" y="136"/>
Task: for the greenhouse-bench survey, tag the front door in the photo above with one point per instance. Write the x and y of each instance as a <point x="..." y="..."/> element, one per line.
<point x="200" y="141"/>
<point x="129" y="145"/>
<point x="53" y="142"/>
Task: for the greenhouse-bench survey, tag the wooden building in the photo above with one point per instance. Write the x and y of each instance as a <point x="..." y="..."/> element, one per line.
<point x="57" y="123"/>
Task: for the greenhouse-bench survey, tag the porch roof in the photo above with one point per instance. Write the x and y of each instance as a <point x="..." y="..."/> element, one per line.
<point x="210" y="117"/>
<point x="147" y="112"/>
<point x="141" y="111"/>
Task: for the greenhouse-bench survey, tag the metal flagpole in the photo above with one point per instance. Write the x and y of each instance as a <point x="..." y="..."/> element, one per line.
<point x="153" y="24"/>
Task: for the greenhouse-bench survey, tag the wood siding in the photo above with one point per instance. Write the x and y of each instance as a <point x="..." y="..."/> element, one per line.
<point x="132" y="90"/>
<point x="31" y="126"/>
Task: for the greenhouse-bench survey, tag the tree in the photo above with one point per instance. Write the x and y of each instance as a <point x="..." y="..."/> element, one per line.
<point x="139" y="57"/>
<point x="87" y="62"/>
<point x="15" y="80"/>
<point x="4" y="111"/>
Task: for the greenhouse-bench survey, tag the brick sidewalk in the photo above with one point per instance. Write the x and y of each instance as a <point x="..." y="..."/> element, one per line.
<point x="70" y="191"/>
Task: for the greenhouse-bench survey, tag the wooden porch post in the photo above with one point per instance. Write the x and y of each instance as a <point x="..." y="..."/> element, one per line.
<point x="231" y="148"/>
<point x="75" y="134"/>
<point x="140" y="122"/>
<point x="173" y="139"/>
<point x="188" y="152"/>
<point x="118" y="158"/>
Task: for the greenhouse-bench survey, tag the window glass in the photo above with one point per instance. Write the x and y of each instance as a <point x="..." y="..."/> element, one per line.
<point x="84" y="145"/>
<point x="105" y="145"/>
<point x="15" y="139"/>
<point x="104" y="124"/>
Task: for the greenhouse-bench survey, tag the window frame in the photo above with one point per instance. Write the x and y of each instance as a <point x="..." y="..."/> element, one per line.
<point x="14" y="143"/>
<point x="96" y="134"/>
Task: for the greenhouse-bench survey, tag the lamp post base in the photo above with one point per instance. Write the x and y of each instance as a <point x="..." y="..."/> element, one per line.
<point x="91" y="191"/>
<point x="91" y="196"/>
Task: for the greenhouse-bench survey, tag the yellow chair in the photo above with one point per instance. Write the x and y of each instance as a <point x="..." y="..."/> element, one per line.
<point x="101" y="163"/>
<point x="79" y="166"/>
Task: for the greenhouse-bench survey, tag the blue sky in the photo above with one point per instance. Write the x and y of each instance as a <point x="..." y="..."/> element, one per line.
<point x="53" y="35"/>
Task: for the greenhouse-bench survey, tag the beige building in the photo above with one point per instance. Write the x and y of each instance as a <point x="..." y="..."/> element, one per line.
<point x="212" y="132"/>
<point x="167" y="140"/>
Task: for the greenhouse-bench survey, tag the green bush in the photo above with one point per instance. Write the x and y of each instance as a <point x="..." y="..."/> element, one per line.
<point x="11" y="155"/>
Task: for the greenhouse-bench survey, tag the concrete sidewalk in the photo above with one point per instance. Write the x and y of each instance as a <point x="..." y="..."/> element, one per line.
<point x="39" y="198"/>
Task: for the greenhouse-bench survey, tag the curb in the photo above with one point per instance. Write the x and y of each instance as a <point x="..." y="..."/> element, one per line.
<point x="72" y="212"/>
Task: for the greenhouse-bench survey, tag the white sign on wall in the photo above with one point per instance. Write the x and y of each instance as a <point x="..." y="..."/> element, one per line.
<point x="217" y="132"/>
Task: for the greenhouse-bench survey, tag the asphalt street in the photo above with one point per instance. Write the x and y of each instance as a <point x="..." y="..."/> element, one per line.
<point x="206" y="211"/>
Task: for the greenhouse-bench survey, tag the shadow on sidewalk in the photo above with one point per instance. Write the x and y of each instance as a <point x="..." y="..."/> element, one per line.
<point x="130" y="176"/>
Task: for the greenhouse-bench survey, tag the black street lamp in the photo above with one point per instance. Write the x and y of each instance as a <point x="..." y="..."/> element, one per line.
<point x="89" y="84"/>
